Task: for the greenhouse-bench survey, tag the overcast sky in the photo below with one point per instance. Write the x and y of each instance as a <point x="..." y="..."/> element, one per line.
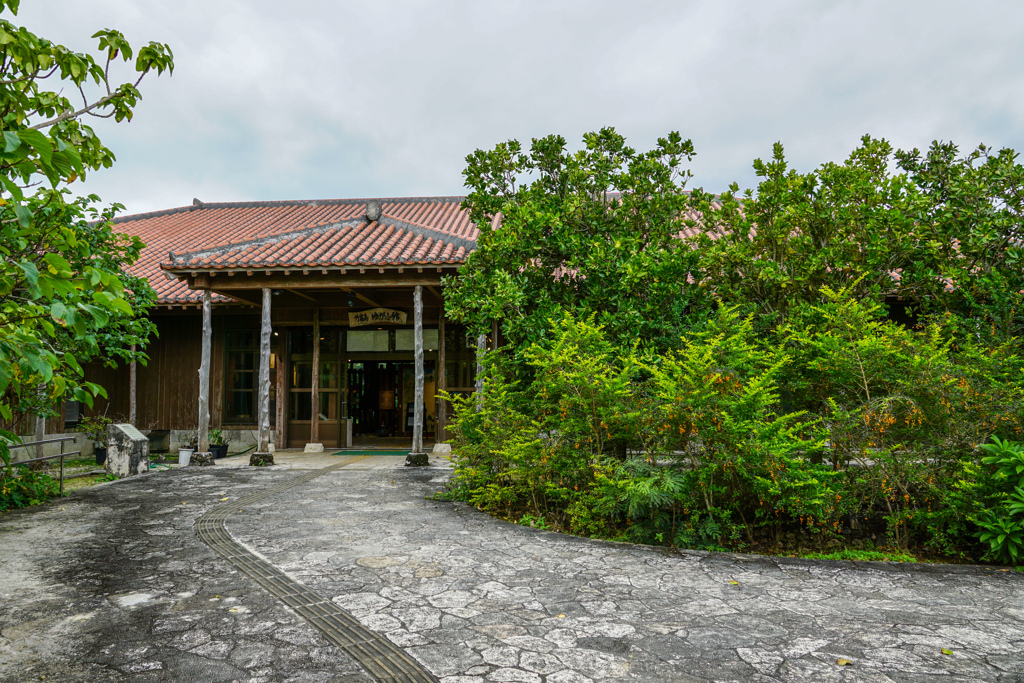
<point x="313" y="99"/>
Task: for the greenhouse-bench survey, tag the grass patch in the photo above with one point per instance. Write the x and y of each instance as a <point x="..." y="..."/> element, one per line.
<point x="862" y="556"/>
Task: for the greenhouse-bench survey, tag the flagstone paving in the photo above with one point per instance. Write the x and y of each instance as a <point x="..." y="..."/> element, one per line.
<point x="112" y="584"/>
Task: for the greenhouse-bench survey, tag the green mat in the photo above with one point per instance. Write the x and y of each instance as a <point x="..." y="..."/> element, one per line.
<point x="375" y="451"/>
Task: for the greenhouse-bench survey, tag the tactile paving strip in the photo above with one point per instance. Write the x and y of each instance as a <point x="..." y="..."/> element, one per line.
<point x="381" y="658"/>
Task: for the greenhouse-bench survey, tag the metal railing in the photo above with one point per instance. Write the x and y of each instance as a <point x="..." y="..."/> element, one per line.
<point x="61" y="440"/>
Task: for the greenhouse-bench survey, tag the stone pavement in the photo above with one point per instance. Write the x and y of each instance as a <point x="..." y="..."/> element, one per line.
<point x="112" y="584"/>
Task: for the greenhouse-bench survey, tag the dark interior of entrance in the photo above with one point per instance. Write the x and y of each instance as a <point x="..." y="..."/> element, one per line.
<point x="380" y="397"/>
<point x="367" y="376"/>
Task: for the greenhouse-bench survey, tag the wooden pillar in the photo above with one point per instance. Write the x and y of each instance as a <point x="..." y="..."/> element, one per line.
<point x="481" y="349"/>
<point x="442" y="382"/>
<point x="314" y="395"/>
<point x="417" y="457"/>
<point x="262" y="455"/>
<point x="204" y="377"/>
<point x="281" y="416"/>
<point x="133" y="378"/>
<point x="40" y="434"/>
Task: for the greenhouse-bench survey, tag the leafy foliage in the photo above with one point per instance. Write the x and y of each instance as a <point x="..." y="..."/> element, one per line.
<point x="734" y="371"/>
<point x="592" y="232"/>
<point x="21" y="487"/>
<point x="64" y="298"/>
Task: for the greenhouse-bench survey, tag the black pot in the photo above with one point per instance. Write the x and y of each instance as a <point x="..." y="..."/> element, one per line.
<point x="219" y="451"/>
<point x="101" y="455"/>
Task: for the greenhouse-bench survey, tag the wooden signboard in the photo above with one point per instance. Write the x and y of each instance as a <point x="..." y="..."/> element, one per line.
<point x="376" y="316"/>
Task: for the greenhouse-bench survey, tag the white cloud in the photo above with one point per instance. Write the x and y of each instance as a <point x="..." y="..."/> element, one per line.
<point x="325" y="99"/>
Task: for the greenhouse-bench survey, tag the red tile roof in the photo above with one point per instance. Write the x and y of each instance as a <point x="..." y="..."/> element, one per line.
<point x="427" y="230"/>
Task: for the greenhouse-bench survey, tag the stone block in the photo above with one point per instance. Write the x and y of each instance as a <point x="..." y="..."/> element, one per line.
<point x="261" y="459"/>
<point x="417" y="460"/>
<point x="314" y="448"/>
<point x="127" y="451"/>
<point x="201" y="459"/>
<point x="442" y="449"/>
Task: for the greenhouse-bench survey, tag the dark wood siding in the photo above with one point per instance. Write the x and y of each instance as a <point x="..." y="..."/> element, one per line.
<point x="168" y="385"/>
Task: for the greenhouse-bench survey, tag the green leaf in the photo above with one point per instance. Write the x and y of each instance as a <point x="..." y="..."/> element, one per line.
<point x="11" y="140"/>
<point x="58" y="310"/>
<point x="30" y="270"/>
<point x="24" y="215"/>
<point x="39" y="142"/>
<point x="58" y="263"/>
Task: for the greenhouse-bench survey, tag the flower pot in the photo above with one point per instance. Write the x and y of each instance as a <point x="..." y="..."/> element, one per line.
<point x="219" y="450"/>
<point x="184" y="456"/>
<point x="101" y="454"/>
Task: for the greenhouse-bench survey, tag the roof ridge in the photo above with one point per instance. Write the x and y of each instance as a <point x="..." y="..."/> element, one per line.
<point x="424" y="231"/>
<point x="384" y="223"/>
<point x="443" y="199"/>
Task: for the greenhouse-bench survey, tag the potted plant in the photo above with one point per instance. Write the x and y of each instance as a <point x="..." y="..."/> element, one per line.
<point x="95" y="429"/>
<point x="186" y="450"/>
<point x="217" y="445"/>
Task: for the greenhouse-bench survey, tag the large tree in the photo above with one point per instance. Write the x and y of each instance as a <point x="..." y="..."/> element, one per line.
<point x="64" y="296"/>
<point x="941" y="230"/>
<point x="593" y="232"/>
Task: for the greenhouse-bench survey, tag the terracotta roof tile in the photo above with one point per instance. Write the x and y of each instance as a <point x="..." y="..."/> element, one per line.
<point x="431" y="228"/>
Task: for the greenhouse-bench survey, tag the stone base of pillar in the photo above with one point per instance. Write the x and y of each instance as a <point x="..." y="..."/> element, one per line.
<point x="417" y="460"/>
<point x="201" y="460"/>
<point x="260" y="459"/>
<point x="313" y="448"/>
<point x="442" y="449"/>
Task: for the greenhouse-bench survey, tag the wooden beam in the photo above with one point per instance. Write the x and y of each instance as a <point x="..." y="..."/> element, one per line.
<point x="133" y="382"/>
<point x="281" y="416"/>
<point x="436" y="292"/>
<point x="297" y="293"/>
<point x="234" y="295"/>
<point x="264" y="385"/>
<point x="204" y="376"/>
<point x="481" y="350"/>
<point x="441" y="383"/>
<point x="417" y="408"/>
<point x="318" y="281"/>
<point x="314" y="394"/>
<point x="362" y="297"/>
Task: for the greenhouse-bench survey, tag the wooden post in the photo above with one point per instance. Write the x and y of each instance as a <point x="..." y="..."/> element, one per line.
<point x="133" y="412"/>
<point x="40" y="435"/>
<point x="262" y="456"/>
<point x="204" y="378"/>
<point x="314" y="395"/>
<point x="442" y="382"/>
<point x="417" y="457"/>
<point x="481" y="349"/>
<point x="281" y="417"/>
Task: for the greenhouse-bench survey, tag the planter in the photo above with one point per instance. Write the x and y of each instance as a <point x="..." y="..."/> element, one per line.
<point x="101" y="454"/>
<point x="184" y="456"/>
<point x="219" y="450"/>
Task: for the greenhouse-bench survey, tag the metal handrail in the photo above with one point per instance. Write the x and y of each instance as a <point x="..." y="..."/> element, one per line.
<point x="61" y="440"/>
<point x="12" y="444"/>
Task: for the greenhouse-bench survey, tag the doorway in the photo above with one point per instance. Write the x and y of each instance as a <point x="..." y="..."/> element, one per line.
<point x="380" y="397"/>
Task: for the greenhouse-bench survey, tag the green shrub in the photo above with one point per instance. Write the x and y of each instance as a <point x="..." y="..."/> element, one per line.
<point x="21" y="487"/>
<point x="1001" y="522"/>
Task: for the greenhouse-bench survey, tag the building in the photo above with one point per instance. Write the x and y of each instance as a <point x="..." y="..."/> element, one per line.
<point x="339" y="281"/>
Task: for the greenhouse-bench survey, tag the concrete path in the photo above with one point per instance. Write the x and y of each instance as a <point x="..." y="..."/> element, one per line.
<point x="113" y="584"/>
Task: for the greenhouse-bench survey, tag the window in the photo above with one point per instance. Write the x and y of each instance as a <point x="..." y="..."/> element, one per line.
<point x="241" y="378"/>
